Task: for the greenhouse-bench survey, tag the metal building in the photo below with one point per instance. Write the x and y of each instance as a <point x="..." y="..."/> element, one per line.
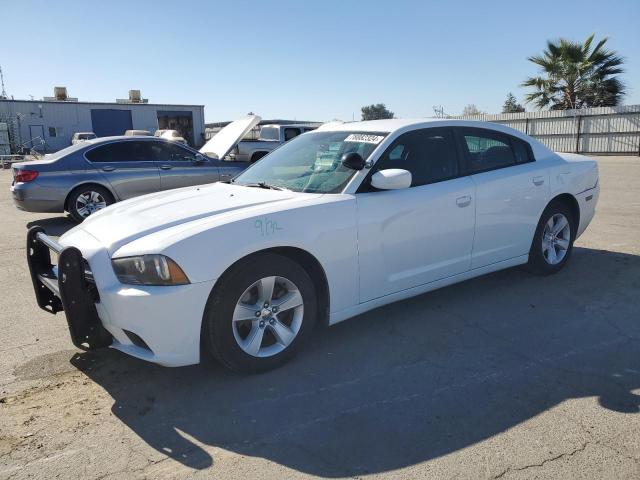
<point x="47" y="125"/>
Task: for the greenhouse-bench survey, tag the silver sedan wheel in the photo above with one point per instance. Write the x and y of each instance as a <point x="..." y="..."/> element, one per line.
<point x="556" y="239"/>
<point x="268" y="316"/>
<point x="89" y="202"/>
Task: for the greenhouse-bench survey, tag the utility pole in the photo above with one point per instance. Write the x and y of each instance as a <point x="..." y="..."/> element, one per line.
<point x="3" y="93"/>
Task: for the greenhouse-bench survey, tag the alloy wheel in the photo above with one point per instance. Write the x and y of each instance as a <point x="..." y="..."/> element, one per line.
<point x="268" y="316"/>
<point x="89" y="202"/>
<point x="556" y="239"/>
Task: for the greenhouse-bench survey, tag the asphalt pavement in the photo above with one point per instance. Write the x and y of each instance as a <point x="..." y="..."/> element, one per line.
<point x="506" y="376"/>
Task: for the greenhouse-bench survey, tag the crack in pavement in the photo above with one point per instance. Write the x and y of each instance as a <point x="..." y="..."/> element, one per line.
<point x="544" y="462"/>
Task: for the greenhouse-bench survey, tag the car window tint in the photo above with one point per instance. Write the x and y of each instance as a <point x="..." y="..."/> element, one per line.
<point x="429" y="154"/>
<point x="165" y="152"/>
<point x="521" y="151"/>
<point x="290" y="133"/>
<point x="125" y="151"/>
<point x="487" y="150"/>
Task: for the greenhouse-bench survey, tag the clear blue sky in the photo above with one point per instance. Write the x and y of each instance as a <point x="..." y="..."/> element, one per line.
<point x="298" y="59"/>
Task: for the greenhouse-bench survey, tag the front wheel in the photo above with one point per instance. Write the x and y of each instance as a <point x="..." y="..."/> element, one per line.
<point x="553" y="240"/>
<point x="260" y="314"/>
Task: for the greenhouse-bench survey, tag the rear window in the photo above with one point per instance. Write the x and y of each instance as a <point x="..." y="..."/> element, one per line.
<point x="270" y="133"/>
<point x="486" y="149"/>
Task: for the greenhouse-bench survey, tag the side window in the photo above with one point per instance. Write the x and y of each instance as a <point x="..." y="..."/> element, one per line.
<point x="521" y="150"/>
<point x="429" y="154"/>
<point x="168" y="152"/>
<point x="125" y="151"/>
<point x="290" y="133"/>
<point x="486" y="150"/>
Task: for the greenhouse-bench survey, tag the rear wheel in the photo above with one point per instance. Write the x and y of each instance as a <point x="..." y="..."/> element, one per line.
<point x="88" y="199"/>
<point x="261" y="314"/>
<point x="553" y="241"/>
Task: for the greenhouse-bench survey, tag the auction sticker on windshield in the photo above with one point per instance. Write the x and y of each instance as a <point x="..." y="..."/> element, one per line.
<point x="364" y="138"/>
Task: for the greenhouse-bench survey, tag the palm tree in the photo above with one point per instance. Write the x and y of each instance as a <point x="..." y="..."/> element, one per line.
<point x="576" y="76"/>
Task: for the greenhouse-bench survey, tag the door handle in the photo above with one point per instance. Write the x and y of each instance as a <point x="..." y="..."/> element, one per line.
<point x="166" y="167"/>
<point x="463" y="201"/>
<point x="537" y="181"/>
<point x="108" y="168"/>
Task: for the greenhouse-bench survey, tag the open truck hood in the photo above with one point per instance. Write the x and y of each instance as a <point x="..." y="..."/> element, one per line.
<point x="227" y="138"/>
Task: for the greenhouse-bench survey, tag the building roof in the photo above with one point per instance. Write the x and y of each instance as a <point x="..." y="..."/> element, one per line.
<point x="119" y="104"/>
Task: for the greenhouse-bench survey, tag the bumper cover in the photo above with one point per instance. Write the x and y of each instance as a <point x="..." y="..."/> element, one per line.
<point x="68" y="287"/>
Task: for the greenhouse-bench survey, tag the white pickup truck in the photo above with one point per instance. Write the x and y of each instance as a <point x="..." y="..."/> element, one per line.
<point x="271" y="137"/>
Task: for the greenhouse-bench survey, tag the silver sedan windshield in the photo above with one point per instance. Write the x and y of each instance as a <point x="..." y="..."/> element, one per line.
<point x="311" y="162"/>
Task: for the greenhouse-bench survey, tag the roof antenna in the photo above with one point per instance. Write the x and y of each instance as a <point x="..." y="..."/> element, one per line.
<point x="3" y="94"/>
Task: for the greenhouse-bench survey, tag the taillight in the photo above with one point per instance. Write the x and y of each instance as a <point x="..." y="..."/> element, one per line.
<point x="26" y="176"/>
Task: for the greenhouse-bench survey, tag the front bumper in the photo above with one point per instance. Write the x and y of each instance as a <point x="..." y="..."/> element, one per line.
<point x="67" y="286"/>
<point x="159" y="324"/>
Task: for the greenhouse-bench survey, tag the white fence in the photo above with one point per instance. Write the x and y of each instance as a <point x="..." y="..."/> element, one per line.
<point x="603" y="130"/>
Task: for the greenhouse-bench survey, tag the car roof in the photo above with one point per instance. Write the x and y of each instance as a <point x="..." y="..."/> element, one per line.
<point x="126" y="138"/>
<point x="398" y="124"/>
<point x="288" y="125"/>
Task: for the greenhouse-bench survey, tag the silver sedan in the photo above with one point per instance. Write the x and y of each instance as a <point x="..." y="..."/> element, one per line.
<point x="88" y="176"/>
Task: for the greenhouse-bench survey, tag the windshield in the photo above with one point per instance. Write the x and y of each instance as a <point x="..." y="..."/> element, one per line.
<point x="269" y="133"/>
<point x="86" y="136"/>
<point x="311" y="162"/>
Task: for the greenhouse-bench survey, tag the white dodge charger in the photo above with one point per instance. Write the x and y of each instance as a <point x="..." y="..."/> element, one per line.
<point x="333" y="223"/>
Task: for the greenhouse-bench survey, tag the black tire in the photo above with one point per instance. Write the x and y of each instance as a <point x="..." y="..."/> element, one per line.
<point x="218" y="331"/>
<point x="538" y="262"/>
<point x="72" y="200"/>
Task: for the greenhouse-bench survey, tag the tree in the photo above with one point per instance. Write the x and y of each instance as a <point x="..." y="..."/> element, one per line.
<point x="376" y="112"/>
<point x="511" y="105"/>
<point x="471" y="109"/>
<point x="575" y="75"/>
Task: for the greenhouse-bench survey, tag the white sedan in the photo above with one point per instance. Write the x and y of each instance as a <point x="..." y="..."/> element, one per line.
<point x="333" y="223"/>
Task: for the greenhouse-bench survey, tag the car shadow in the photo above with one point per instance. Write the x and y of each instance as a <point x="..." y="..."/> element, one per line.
<point x="407" y="382"/>
<point x="54" y="226"/>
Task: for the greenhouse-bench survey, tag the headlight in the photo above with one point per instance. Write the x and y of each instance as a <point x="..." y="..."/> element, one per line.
<point x="149" y="270"/>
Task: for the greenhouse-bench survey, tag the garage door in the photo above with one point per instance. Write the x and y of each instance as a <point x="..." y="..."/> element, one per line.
<point x="107" y="122"/>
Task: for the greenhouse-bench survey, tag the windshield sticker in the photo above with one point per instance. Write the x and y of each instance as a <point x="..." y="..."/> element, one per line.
<point x="364" y="138"/>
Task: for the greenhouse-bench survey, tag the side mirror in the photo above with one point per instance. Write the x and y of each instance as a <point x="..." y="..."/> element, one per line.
<point x="353" y="160"/>
<point x="391" y="179"/>
<point x="199" y="158"/>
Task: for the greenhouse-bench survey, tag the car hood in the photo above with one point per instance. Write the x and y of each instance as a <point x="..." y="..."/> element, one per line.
<point x="126" y="221"/>
<point x="227" y="138"/>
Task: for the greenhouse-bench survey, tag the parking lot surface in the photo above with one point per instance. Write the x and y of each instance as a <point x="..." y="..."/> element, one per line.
<point x="506" y="376"/>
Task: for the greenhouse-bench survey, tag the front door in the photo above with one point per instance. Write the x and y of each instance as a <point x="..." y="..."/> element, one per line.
<point x="181" y="167"/>
<point x="421" y="234"/>
<point x="128" y="165"/>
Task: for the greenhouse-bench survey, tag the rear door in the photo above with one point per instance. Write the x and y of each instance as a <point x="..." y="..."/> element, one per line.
<point x="511" y="192"/>
<point x="128" y="165"/>
<point x="181" y="167"/>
